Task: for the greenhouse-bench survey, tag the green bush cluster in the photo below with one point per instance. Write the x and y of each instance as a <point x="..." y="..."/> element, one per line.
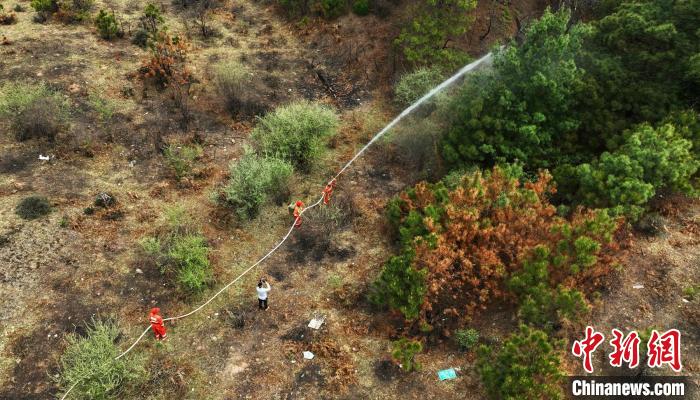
<point x="33" y="110"/>
<point x="88" y="363"/>
<point x="295" y="133"/>
<point x="181" y="250"/>
<point x="107" y="25"/>
<point x="525" y="367"/>
<point x="413" y="85"/>
<point x="33" y="207"/>
<point x="255" y="180"/>
<point x="181" y="159"/>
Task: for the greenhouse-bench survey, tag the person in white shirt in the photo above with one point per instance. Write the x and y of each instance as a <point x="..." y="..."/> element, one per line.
<point x="263" y="288"/>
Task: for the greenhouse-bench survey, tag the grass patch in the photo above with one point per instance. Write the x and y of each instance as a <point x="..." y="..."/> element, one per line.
<point x="34" y="110"/>
<point x="181" y="251"/>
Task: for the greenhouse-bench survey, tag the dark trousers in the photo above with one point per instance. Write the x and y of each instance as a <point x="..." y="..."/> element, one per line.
<point x="262" y="304"/>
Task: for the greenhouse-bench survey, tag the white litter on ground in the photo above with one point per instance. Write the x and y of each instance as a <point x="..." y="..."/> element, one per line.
<point x="316" y="322"/>
<point x="44" y="158"/>
<point x="637" y="286"/>
<point x="308" y="355"/>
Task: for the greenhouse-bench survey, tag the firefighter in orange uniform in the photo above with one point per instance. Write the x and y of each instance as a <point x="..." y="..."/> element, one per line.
<point x="328" y="191"/>
<point x="298" y="207"/>
<point x="157" y="323"/>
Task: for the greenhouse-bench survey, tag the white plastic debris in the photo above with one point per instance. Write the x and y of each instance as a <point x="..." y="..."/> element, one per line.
<point x="308" y="355"/>
<point x="637" y="286"/>
<point x="316" y="322"/>
<point x="685" y="300"/>
<point x="44" y="158"/>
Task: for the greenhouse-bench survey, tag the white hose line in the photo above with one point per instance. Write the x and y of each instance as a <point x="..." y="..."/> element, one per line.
<point x="381" y="133"/>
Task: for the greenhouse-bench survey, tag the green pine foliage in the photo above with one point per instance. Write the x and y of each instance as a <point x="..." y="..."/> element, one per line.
<point x="424" y="40"/>
<point x="400" y="286"/>
<point x="649" y="161"/>
<point x="404" y="352"/>
<point x="526" y="367"/>
<point x="296" y="133"/>
<point x="107" y="25"/>
<point x="540" y="304"/>
<point x="360" y="7"/>
<point x="585" y="98"/>
<point x="88" y="363"/>
<point x="523" y="110"/>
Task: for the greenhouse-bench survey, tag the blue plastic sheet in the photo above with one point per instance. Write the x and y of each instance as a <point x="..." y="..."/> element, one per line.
<point x="446" y="374"/>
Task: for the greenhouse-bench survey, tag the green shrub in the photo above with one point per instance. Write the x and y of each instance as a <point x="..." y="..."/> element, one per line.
<point x="180" y="250"/>
<point x="151" y="19"/>
<point x="526" y="367"/>
<point x="44" y="8"/>
<point x="18" y="8"/>
<point x="524" y="109"/>
<point x="140" y="38"/>
<point x="190" y="256"/>
<point x="332" y="8"/>
<point x="33" y="207"/>
<point x="404" y="352"/>
<point x="88" y="363"/>
<point x="691" y="292"/>
<point x="75" y="10"/>
<point x="295" y="133"/>
<point x="107" y="25"/>
<point x="181" y="159"/>
<point x="296" y="7"/>
<point x="34" y="110"/>
<point x="255" y="180"/>
<point x="179" y="220"/>
<point x="467" y="338"/>
<point x="413" y="85"/>
<point x="233" y="81"/>
<point x="361" y="7"/>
